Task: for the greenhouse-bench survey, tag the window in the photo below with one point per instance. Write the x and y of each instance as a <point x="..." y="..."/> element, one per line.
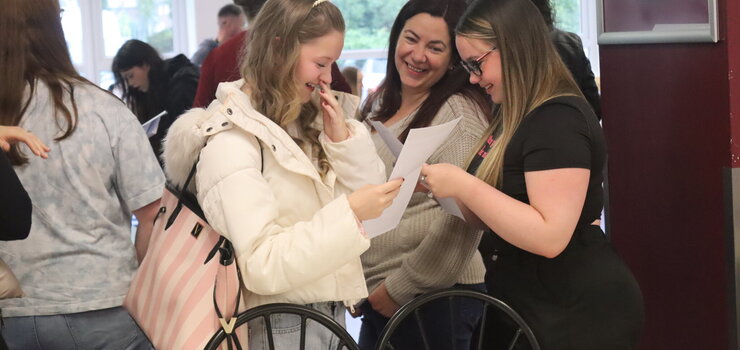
<point x="579" y="16"/>
<point x="366" y="39"/>
<point x="152" y="21"/>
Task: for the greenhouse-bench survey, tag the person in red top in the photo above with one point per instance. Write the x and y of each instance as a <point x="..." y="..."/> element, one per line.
<point x="222" y="64"/>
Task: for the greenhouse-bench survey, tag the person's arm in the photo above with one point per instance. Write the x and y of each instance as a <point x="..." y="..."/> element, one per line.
<point x="543" y="227"/>
<point x="15" y="207"/>
<point x="145" y="216"/>
<point x="239" y="203"/>
<point x="354" y="160"/>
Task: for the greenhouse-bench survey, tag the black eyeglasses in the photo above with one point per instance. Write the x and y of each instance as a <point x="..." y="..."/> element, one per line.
<point x="473" y="66"/>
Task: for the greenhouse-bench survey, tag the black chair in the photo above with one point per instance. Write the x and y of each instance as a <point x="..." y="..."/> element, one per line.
<point x="489" y="303"/>
<point x="305" y="313"/>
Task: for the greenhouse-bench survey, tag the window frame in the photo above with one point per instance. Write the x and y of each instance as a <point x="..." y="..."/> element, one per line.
<point x="94" y="60"/>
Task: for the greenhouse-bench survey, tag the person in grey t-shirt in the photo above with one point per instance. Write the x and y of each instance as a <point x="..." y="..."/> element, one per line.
<point x="76" y="265"/>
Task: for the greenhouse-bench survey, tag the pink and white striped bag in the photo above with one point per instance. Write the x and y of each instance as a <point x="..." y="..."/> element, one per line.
<point x="188" y="279"/>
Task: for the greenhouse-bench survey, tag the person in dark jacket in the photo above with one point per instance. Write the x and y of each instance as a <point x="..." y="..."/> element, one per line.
<point x="570" y="49"/>
<point x="15" y="207"/>
<point x="151" y="85"/>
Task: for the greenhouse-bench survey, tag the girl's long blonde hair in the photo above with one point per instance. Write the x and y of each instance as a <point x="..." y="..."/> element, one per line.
<point x="271" y="57"/>
<point x="532" y="71"/>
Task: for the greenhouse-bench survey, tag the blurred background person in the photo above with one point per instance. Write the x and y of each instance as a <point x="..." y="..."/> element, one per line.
<point x="570" y="49"/>
<point x="429" y="249"/>
<point x="222" y="64"/>
<point x="354" y="78"/>
<point x="76" y="265"/>
<point x="150" y="85"/>
<point x="231" y="21"/>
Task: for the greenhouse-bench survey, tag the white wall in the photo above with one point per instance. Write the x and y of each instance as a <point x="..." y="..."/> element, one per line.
<point x="201" y="21"/>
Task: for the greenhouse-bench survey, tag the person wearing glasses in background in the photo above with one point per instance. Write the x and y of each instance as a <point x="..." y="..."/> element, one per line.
<point x="429" y="249"/>
<point x="535" y="183"/>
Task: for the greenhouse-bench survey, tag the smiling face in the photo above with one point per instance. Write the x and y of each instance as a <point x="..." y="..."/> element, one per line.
<point x="423" y="52"/>
<point x="491" y="78"/>
<point x="137" y="77"/>
<point x="315" y="60"/>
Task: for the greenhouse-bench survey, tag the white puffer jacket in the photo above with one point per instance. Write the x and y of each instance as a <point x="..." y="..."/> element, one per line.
<point x="295" y="236"/>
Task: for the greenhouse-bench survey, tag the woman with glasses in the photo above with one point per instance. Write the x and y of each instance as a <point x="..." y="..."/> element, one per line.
<point x="535" y="184"/>
<point x="429" y="249"/>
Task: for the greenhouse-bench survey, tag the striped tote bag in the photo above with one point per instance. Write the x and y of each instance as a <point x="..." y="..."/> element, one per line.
<point x="188" y="285"/>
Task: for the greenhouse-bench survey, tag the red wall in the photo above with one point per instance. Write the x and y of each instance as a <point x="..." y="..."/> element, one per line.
<point x="667" y="120"/>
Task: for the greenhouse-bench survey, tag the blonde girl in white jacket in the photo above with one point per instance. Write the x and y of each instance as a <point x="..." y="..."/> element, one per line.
<point x="282" y="174"/>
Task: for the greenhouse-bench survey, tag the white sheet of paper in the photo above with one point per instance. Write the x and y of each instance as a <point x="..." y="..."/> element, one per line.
<point x="152" y="125"/>
<point x="395" y="146"/>
<point x="420" y="144"/>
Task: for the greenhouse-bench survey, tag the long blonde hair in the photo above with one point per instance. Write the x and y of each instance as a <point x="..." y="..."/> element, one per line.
<point x="271" y="57"/>
<point x="532" y="71"/>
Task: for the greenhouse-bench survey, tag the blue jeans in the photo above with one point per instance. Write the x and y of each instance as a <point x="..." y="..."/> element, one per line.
<point x="109" y="329"/>
<point x="443" y="330"/>
<point x="286" y="329"/>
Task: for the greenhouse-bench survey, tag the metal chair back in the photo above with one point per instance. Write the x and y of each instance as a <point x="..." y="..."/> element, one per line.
<point x="305" y="313"/>
<point x="522" y="331"/>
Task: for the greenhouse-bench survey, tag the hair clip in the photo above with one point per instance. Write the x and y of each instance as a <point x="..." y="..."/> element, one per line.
<point x="317" y="2"/>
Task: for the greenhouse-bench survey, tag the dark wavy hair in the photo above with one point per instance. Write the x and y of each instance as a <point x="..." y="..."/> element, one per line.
<point x="387" y="96"/>
<point x="136" y="53"/>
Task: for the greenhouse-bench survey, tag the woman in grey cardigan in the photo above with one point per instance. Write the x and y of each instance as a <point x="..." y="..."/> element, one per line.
<point x="430" y="249"/>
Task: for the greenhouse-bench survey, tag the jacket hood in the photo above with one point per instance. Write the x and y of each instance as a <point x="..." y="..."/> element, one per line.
<point x="182" y="145"/>
<point x="189" y="133"/>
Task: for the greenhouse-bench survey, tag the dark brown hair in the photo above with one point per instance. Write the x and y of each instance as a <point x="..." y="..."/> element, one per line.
<point x="32" y="49"/>
<point x="455" y="81"/>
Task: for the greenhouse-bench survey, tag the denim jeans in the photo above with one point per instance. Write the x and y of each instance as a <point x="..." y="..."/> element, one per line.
<point x="286" y="330"/>
<point x="109" y="329"/>
<point x="445" y="330"/>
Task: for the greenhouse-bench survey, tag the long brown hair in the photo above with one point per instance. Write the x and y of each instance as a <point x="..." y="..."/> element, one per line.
<point x="385" y="101"/>
<point x="271" y="58"/>
<point x="32" y="48"/>
<point x="532" y="71"/>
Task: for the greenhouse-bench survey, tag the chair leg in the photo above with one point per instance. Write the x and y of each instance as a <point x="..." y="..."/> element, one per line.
<point x="482" y="332"/>
<point x="268" y="327"/>
<point x="515" y="339"/>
